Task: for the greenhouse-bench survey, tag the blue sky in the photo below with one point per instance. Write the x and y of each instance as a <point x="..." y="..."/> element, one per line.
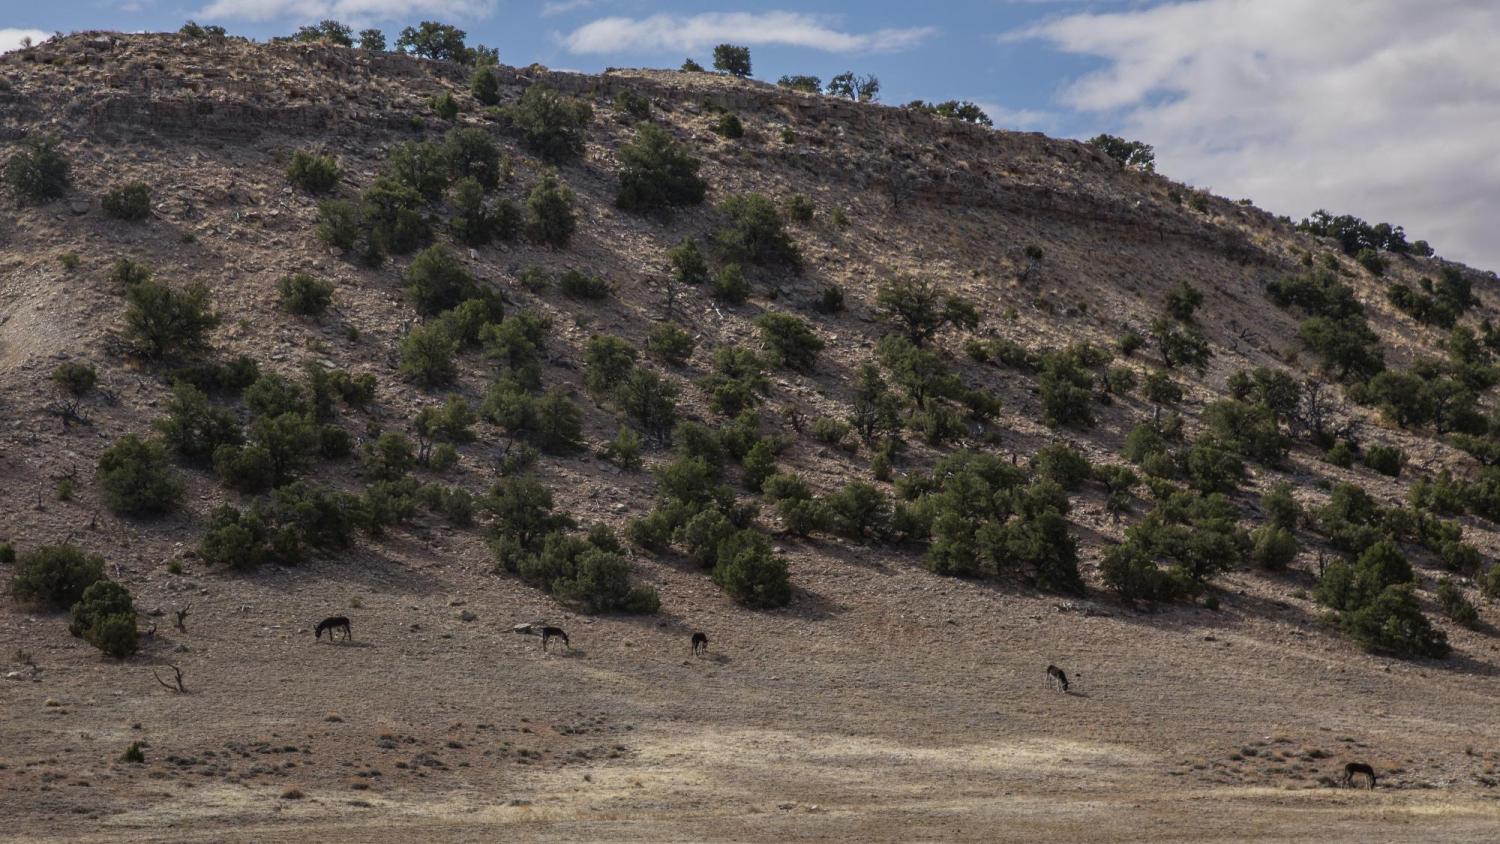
<point x="1382" y="108"/>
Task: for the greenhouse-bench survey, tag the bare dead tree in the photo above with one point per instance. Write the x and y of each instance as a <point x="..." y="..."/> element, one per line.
<point x="68" y="411"/>
<point x="671" y="291"/>
<point x="898" y="185"/>
<point x="1318" y="416"/>
<point x="182" y="615"/>
<point x="178" y="688"/>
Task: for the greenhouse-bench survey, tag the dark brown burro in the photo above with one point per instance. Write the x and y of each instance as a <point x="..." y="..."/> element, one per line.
<point x="1057" y="677"/>
<point x="332" y="624"/>
<point x="1355" y="768"/>
<point x="546" y="632"/>
<point x="700" y="643"/>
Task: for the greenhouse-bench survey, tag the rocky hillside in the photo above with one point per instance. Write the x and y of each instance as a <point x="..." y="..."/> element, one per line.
<point x="1061" y="347"/>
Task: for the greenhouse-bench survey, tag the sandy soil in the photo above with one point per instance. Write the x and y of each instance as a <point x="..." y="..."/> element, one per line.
<point x="888" y="705"/>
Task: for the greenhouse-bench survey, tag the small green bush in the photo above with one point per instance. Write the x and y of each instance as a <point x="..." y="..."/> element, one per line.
<point x="759" y="463"/>
<point x="235" y="539"/>
<point x="729" y="126"/>
<point x="55" y="575"/>
<point x="273" y="394"/>
<point x="136" y="479"/>
<point x="607" y="360"/>
<point x="445" y="106"/>
<point x="1063" y="465"/>
<point x="730" y="285"/>
<point x="1282" y="509"/>
<point x="737" y="381"/>
<point x="1393" y="624"/>
<point x="390" y="457"/>
<point x="1385" y="459"/>
<point x="657" y="172"/>
<point x="688" y="263"/>
<point x="859" y="511"/>
<point x="915" y="308"/>
<point x="74" y="378"/>
<point x="751" y="572"/>
<point x="650" y="400"/>
<point x="130" y="202"/>
<point x="38" y="171"/>
<point x="1274" y="548"/>
<point x="830" y="431"/>
<point x="523" y="517"/>
<point x="194" y="427"/>
<point x="1491" y="583"/>
<point x="830" y="301"/>
<point x="633" y="104"/>
<point x="472" y="153"/>
<point x="1461" y="558"/>
<point x="248" y="469"/>
<point x="1066" y="393"/>
<point x="1456" y="605"/>
<point x="624" y="450"/>
<point x="427" y="356"/>
<point x="472" y="223"/>
<point x="1212" y="469"/>
<point x="115" y="635"/>
<point x="1371" y="260"/>
<point x="701" y="535"/>
<point x="96" y="616"/>
<point x="754" y="233"/>
<point x="799" y="208"/>
<point x="559" y="424"/>
<point x="549" y="213"/>
<point x="312" y="172"/>
<point x="437" y="281"/>
<point x="133" y="754"/>
<point x="420" y="166"/>
<point x="1341" y="455"/>
<point x="304" y="295"/>
<point x="552" y="126"/>
<point x="485" y="86"/>
<point x="579" y="285"/>
<point x="670" y="343"/>
<point x="790" y="340"/>
<point x="160" y="320"/>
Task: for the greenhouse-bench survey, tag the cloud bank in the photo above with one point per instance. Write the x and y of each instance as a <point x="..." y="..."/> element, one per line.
<point x="675" y="33"/>
<point x="1385" y="109"/>
<point x="10" y="39"/>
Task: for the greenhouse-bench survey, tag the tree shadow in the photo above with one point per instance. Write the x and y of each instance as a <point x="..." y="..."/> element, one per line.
<point x="353" y="643"/>
<point x="812" y="606"/>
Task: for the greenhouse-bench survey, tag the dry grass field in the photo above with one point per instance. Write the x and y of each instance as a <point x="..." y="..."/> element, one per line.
<point x="886" y="703"/>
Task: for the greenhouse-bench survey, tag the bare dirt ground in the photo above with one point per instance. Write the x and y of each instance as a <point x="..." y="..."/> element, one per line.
<point x="888" y="705"/>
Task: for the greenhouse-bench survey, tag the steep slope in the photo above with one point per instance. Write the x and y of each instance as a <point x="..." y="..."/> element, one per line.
<point x="886" y="701"/>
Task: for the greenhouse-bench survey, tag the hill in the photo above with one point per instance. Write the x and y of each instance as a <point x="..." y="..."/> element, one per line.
<point x="1028" y="406"/>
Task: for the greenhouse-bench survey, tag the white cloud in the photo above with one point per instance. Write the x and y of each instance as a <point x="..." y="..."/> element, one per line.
<point x="1386" y="109"/>
<point x="10" y="39"/>
<point x="674" y="33"/>
<point x="562" y="7"/>
<point x="349" y="11"/>
<point x="1018" y="118"/>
